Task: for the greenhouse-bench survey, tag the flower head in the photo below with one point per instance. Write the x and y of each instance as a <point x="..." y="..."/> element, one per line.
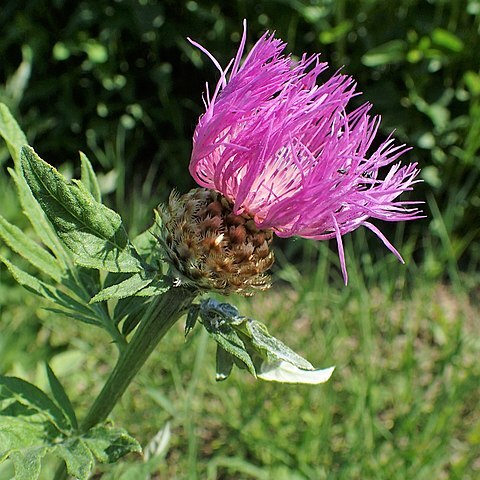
<point x="212" y="248"/>
<point x="283" y="149"/>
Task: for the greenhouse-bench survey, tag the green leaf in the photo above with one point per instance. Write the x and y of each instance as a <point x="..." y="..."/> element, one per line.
<point x="273" y="347"/>
<point x="157" y="287"/>
<point x="15" y="140"/>
<point x="389" y="52"/>
<point x="61" y="397"/>
<point x="108" y="444"/>
<point x="88" y="319"/>
<point x="38" y="219"/>
<point x="89" y="179"/>
<point x="21" y="396"/>
<point x="94" y="233"/>
<point x="133" y="319"/>
<point x="77" y="456"/>
<point x="11" y="133"/>
<point x="28" y="464"/>
<point x="192" y="317"/>
<point x="146" y="241"/>
<point x="224" y="362"/>
<point x="127" y="288"/>
<point x="336" y="33"/>
<point x="30" y="427"/>
<point x="147" y="244"/>
<point x="69" y="301"/>
<point x="230" y="341"/>
<point x="31" y="283"/>
<point x="130" y="310"/>
<point x="70" y="307"/>
<point x="472" y="81"/>
<point x="128" y="306"/>
<point x="245" y="339"/>
<point x="444" y="38"/>
<point x="17" y="435"/>
<point x="42" y="288"/>
<point x="30" y="250"/>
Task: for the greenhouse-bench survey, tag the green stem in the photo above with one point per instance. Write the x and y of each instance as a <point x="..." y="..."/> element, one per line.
<point x="161" y="315"/>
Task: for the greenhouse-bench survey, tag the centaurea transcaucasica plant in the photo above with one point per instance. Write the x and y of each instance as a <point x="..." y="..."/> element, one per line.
<point x="276" y="153"/>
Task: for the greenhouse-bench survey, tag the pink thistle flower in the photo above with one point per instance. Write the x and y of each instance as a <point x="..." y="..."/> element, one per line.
<point x="284" y="150"/>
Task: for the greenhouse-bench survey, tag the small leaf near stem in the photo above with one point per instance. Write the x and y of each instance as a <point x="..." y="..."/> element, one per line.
<point x="33" y="424"/>
<point x="248" y="344"/>
<point x="161" y="315"/>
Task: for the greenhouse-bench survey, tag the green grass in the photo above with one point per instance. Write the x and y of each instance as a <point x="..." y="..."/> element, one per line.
<point x="402" y="403"/>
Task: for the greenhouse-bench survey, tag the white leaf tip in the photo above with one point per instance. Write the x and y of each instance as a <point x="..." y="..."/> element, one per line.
<point x="287" y="373"/>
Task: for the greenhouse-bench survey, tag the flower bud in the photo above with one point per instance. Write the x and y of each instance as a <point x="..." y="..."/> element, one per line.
<point x="210" y="247"/>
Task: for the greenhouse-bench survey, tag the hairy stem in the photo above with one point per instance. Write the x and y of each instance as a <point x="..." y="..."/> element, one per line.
<point x="160" y="316"/>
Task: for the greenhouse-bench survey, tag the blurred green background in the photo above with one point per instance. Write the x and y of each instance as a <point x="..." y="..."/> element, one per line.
<point x="119" y="81"/>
